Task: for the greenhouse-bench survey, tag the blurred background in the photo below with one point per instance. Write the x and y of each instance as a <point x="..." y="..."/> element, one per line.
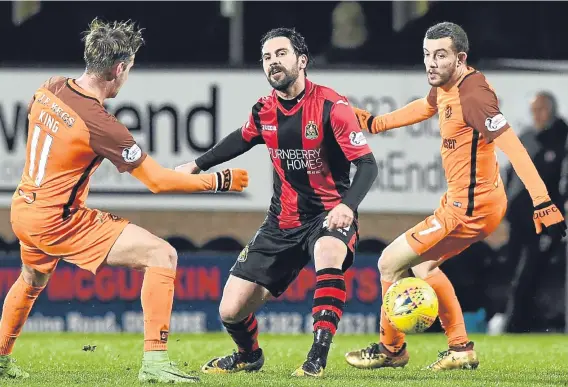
<point x="195" y="81"/>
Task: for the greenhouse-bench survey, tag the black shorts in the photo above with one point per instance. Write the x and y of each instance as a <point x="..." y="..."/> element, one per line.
<point x="274" y="257"/>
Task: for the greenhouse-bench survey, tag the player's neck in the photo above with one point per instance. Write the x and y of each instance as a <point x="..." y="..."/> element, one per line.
<point x="93" y="85"/>
<point x="294" y="90"/>
<point x="458" y="74"/>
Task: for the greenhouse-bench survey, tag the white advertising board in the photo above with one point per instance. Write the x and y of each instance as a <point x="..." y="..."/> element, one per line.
<point x="176" y="115"/>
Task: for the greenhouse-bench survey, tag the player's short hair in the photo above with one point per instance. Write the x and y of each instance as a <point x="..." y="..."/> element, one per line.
<point x="108" y="43"/>
<point x="450" y="30"/>
<point x="296" y="39"/>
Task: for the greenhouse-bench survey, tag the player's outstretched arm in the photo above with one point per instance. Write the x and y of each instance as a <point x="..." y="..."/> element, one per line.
<point x="416" y="111"/>
<point x="159" y="179"/>
<point x="227" y="149"/>
<point x="546" y="213"/>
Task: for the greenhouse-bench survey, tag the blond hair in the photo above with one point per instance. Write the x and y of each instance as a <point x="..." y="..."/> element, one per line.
<point x="108" y="43"/>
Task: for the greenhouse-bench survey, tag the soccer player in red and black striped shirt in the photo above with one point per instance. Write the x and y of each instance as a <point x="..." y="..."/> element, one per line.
<point x="312" y="136"/>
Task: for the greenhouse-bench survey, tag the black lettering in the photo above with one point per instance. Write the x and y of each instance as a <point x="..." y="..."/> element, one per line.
<point x="393" y="171"/>
<point x="212" y="110"/>
<point x="19" y="124"/>
<point x="153" y="115"/>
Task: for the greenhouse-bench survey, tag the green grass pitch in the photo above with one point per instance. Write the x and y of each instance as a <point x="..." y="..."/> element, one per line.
<point x="59" y="360"/>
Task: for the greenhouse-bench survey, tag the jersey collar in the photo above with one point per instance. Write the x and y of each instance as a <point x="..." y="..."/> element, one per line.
<point x="75" y="87"/>
<point x="309" y="89"/>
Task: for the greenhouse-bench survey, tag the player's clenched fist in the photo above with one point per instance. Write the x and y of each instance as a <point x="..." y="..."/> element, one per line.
<point x="549" y="216"/>
<point x="230" y="180"/>
<point x="365" y="120"/>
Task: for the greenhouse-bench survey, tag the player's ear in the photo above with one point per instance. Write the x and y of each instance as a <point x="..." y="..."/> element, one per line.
<point x="462" y="57"/>
<point x="303" y="62"/>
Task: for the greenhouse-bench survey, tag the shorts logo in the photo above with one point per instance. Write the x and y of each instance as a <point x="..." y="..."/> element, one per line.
<point x="357" y="139"/>
<point x="27" y="197"/>
<point x="495" y="123"/>
<point x="243" y="255"/>
<point x="311" y="131"/>
<point x="132" y="154"/>
<point x="343" y="231"/>
<point x="448" y="112"/>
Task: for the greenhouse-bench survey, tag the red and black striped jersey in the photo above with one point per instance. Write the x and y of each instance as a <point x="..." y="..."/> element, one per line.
<point x="311" y="147"/>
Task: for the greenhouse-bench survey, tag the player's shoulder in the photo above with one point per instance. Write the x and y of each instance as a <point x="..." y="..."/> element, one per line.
<point x="329" y="94"/>
<point x="474" y="83"/>
<point x="263" y="103"/>
<point x="54" y="84"/>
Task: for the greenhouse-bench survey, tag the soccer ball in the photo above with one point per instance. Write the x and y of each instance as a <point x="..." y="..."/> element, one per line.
<point x="411" y="305"/>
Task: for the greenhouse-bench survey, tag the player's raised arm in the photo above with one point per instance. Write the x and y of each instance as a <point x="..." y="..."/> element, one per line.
<point x="235" y="144"/>
<point x="354" y="145"/>
<point x="416" y="111"/>
<point x="112" y="140"/>
<point x="481" y="111"/>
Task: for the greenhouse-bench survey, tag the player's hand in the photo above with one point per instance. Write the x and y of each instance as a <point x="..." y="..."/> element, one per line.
<point x="549" y="218"/>
<point x="190" y="168"/>
<point x="233" y="179"/>
<point x="365" y="119"/>
<point x="340" y="216"/>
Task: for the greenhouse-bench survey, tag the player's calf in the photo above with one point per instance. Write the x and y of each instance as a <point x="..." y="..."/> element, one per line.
<point x="329" y="301"/>
<point x="241" y="298"/>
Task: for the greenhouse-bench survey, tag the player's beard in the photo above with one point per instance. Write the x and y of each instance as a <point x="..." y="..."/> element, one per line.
<point x="287" y="80"/>
<point x="443" y="76"/>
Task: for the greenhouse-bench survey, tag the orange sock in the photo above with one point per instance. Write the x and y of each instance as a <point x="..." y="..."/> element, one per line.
<point x="450" y="312"/>
<point x="389" y="336"/>
<point x="157" y="299"/>
<point x="17" y="307"/>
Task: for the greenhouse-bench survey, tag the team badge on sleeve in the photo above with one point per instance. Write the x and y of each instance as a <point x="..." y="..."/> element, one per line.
<point x="132" y="154"/>
<point x="495" y="123"/>
<point x="357" y="139"/>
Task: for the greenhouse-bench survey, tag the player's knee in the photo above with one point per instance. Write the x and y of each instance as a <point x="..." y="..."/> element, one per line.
<point x="163" y="255"/>
<point x="34" y="278"/>
<point x="329" y="252"/>
<point x="230" y="312"/>
<point x="387" y="265"/>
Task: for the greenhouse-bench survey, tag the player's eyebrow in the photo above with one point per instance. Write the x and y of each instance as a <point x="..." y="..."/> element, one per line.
<point x="278" y="50"/>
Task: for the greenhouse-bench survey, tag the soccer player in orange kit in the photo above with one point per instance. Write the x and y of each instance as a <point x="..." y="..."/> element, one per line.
<point x="471" y="124"/>
<point x="70" y="134"/>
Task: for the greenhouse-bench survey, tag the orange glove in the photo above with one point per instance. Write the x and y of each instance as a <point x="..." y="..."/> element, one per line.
<point x="233" y="179"/>
<point x="549" y="216"/>
<point x="365" y="119"/>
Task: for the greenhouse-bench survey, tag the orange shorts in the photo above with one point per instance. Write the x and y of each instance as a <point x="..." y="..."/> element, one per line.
<point x="450" y="231"/>
<point x="84" y="239"/>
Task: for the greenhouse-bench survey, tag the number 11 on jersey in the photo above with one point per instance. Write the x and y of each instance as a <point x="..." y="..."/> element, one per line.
<point x="41" y="159"/>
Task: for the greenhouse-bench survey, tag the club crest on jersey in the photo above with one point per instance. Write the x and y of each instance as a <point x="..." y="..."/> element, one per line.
<point x="311" y="132"/>
<point x="448" y="112"/>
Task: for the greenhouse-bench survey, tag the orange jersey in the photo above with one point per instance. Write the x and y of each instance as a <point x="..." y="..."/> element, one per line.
<point x="70" y="133"/>
<point x="470" y="119"/>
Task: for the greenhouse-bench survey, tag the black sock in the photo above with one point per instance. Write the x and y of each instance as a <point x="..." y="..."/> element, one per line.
<point x="244" y="333"/>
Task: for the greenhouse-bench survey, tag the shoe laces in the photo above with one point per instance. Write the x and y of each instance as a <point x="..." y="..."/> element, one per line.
<point x="371" y="351"/>
<point x="230" y="361"/>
